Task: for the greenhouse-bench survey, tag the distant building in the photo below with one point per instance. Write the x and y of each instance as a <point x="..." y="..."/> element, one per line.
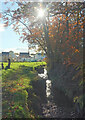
<point x="5" y="56"/>
<point x="23" y="56"/>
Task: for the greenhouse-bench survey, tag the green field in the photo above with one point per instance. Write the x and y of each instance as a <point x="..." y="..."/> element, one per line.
<point x="18" y="92"/>
<point x="15" y="65"/>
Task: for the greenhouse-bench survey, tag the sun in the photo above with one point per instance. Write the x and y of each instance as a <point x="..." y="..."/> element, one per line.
<point x="41" y="13"/>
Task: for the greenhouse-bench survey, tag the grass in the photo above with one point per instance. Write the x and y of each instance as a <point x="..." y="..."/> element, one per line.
<point x="15" y="65"/>
<point x="15" y="83"/>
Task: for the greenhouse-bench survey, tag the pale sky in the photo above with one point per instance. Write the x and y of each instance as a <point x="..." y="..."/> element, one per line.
<point x="9" y="40"/>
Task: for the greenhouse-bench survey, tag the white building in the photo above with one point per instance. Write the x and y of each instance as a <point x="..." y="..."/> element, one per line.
<point x="5" y="56"/>
<point x="23" y="56"/>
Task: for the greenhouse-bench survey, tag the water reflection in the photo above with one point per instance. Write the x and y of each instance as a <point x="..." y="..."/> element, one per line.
<point x="48" y="83"/>
<point x="44" y="75"/>
<point x="57" y="105"/>
<point x="48" y="88"/>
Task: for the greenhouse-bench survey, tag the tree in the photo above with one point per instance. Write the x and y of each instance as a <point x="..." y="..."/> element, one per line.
<point x="58" y="33"/>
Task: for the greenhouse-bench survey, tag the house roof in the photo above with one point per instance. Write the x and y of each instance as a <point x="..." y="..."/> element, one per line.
<point x="5" y="53"/>
<point x="24" y="53"/>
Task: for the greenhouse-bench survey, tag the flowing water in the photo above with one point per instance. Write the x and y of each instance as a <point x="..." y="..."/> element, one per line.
<point x="53" y="108"/>
<point x="49" y="108"/>
<point x="48" y="83"/>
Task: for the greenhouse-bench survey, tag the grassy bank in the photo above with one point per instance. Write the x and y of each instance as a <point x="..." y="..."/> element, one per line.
<point x="19" y="95"/>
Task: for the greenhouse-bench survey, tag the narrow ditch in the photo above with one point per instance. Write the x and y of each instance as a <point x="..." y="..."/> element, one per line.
<point x="50" y="103"/>
<point x="57" y="104"/>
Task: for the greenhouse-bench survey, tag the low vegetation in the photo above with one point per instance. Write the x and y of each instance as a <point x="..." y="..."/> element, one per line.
<point x="19" y="93"/>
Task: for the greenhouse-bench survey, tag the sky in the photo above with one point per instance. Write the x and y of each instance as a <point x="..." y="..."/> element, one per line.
<point x="9" y="40"/>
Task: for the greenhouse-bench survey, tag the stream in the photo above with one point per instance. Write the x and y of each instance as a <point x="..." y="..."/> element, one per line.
<point x="56" y="106"/>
